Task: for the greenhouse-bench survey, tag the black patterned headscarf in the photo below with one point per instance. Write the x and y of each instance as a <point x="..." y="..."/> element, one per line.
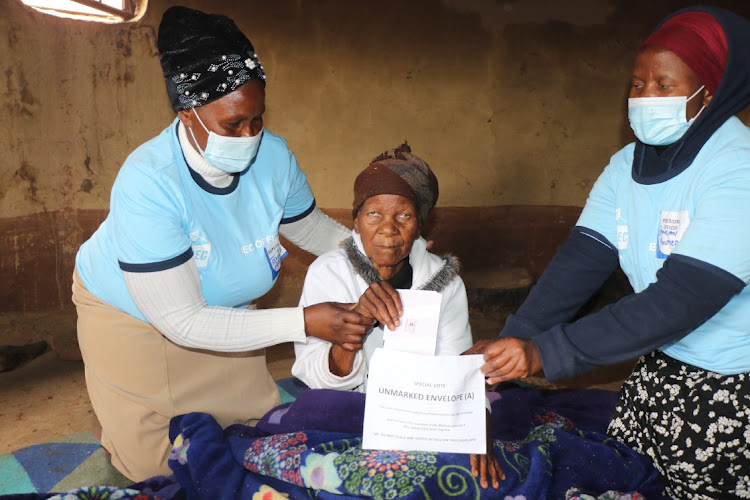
<point x="203" y="57"/>
<point x="398" y="171"/>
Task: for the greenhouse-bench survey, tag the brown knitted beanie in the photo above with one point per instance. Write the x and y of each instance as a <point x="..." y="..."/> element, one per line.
<point x="398" y="171"/>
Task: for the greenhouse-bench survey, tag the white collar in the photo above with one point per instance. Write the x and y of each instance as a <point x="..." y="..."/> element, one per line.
<point x="212" y="175"/>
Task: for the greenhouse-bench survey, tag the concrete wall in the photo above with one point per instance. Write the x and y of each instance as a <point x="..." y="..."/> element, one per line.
<point x="515" y="103"/>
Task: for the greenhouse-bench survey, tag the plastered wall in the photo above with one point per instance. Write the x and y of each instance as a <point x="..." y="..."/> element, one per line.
<point x="511" y="102"/>
<point x="515" y="103"/>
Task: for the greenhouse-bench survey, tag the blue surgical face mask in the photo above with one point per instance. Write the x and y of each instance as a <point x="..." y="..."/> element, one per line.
<point x="659" y="121"/>
<point x="230" y="154"/>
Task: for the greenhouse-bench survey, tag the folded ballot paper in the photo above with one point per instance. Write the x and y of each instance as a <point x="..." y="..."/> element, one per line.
<point x="418" y="401"/>
<point x="417" y="331"/>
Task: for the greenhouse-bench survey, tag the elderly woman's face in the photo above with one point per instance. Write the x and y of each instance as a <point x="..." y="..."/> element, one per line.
<point x="388" y="226"/>
<point x="237" y="114"/>
<point x="659" y="72"/>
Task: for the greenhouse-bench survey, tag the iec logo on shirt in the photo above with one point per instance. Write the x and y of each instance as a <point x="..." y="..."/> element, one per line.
<point x="201" y="248"/>
<point x="672" y="226"/>
<point x="273" y="250"/>
<point x="622" y="231"/>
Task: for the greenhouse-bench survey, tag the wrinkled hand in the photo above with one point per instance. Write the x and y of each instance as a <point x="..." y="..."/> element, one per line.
<point x="482" y="465"/>
<point x="382" y="302"/>
<point x="341" y="361"/>
<point x="508" y="358"/>
<point x="479" y="347"/>
<point x="338" y="324"/>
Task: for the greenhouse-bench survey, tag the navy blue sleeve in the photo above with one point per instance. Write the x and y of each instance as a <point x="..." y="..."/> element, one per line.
<point x="579" y="268"/>
<point x="686" y="293"/>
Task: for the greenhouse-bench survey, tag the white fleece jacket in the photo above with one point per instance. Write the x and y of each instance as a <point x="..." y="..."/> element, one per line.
<point x="333" y="278"/>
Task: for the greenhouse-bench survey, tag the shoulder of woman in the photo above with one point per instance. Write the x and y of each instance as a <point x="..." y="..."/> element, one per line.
<point x="333" y="260"/>
<point x="623" y="158"/>
<point x="152" y="157"/>
<point x="420" y="256"/>
<point x="443" y="271"/>
<point x="138" y="175"/>
<point x="329" y="276"/>
<point x="274" y="142"/>
<point x="729" y="147"/>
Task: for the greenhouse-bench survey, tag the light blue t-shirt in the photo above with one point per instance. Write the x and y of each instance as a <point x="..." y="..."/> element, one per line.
<point x="701" y="213"/>
<point x="162" y="214"/>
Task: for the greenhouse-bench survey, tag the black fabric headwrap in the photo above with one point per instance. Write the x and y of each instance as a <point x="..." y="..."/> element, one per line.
<point x="652" y="164"/>
<point x="203" y="57"/>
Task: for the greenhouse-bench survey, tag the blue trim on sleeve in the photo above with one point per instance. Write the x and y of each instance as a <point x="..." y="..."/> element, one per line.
<point x="729" y="278"/>
<point x="301" y="216"/>
<point x="578" y="269"/>
<point x="158" y="266"/>
<point x="682" y="298"/>
<point x="595" y="235"/>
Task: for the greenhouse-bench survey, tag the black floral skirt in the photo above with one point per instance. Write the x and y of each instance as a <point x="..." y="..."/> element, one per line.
<point x="693" y="424"/>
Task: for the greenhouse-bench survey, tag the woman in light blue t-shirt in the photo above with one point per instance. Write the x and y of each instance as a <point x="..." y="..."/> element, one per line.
<point x="670" y="210"/>
<point x="163" y="287"/>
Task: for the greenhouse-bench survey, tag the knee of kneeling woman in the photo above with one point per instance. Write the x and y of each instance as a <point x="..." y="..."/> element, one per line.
<point x="137" y="460"/>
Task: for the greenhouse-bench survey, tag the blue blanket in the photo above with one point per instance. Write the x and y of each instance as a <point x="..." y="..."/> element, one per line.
<point x="551" y="444"/>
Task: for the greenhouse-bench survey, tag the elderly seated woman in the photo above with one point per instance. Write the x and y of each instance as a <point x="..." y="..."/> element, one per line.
<point x="392" y="198"/>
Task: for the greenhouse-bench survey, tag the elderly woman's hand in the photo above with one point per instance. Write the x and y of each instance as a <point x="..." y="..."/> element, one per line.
<point x="381" y="302"/>
<point x="337" y="324"/>
<point x="482" y="465"/>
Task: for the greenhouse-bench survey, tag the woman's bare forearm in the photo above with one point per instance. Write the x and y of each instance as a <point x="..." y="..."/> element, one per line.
<point x="341" y="361"/>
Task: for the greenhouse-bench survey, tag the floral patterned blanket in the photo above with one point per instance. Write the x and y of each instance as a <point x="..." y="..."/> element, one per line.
<point x="551" y="444"/>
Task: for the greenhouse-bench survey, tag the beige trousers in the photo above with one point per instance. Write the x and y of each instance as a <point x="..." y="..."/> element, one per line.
<point x="138" y="380"/>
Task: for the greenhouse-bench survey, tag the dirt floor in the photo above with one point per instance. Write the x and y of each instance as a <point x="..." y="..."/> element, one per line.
<point x="46" y="397"/>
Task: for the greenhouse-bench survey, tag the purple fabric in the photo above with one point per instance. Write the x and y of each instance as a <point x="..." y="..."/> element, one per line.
<point x="547" y="442"/>
<point x="513" y="409"/>
<point x="514" y="414"/>
<point x="320" y="409"/>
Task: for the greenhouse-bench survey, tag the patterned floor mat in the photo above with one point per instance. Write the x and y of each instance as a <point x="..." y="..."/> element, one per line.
<point x="78" y="460"/>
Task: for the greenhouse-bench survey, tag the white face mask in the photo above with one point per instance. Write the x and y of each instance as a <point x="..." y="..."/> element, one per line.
<point x="659" y="121"/>
<point x="230" y="154"/>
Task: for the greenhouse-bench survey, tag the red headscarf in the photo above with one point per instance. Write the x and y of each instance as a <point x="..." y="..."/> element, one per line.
<point x="699" y="40"/>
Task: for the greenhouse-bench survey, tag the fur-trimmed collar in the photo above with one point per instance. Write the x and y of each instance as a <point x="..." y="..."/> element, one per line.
<point x="364" y="268"/>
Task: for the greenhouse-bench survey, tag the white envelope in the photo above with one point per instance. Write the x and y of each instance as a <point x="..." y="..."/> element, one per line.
<point x="425" y="403"/>
<point x="417" y="331"/>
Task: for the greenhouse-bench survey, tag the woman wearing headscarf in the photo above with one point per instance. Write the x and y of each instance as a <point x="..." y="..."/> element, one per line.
<point x="392" y="198"/>
<point x="671" y="209"/>
<point x="162" y="288"/>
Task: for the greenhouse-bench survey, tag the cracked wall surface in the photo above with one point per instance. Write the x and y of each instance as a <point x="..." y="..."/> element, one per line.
<point x="512" y="103"/>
